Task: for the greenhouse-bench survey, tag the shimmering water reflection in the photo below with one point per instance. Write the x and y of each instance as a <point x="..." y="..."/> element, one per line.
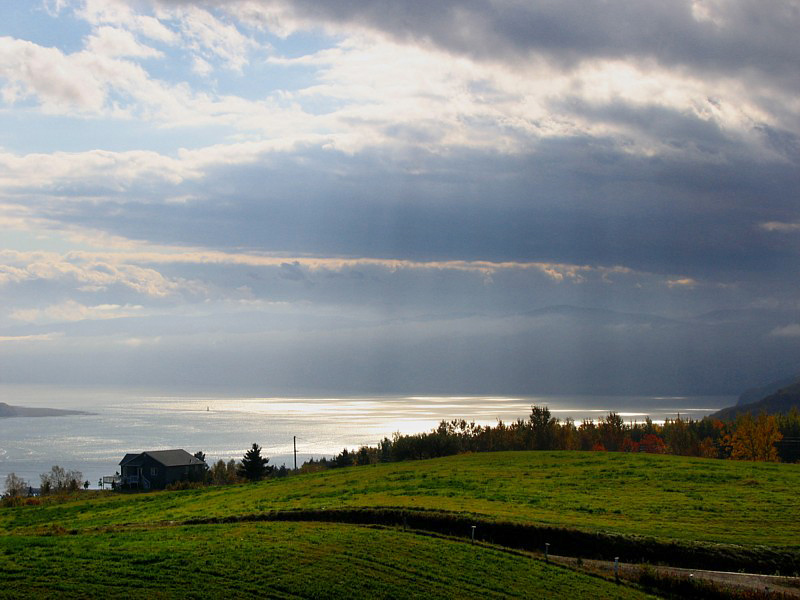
<point x="224" y="426"/>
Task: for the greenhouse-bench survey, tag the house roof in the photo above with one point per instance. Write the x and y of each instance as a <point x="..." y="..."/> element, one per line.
<point x="128" y="457"/>
<point x="168" y="458"/>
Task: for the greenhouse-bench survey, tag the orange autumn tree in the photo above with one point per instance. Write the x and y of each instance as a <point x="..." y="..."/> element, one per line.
<point x="652" y="444"/>
<point x="755" y="439"/>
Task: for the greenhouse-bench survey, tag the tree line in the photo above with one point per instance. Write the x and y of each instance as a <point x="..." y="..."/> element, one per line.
<point x="57" y="481"/>
<point x="747" y="438"/>
<point x="252" y="467"/>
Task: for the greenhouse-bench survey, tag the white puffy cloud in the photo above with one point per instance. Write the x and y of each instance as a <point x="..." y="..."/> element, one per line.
<point x="98" y="175"/>
<point x="91" y="275"/>
<point x="124" y="15"/>
<point x="206" y="35"/>
<point x="372" y="89"/>
<point x="89" y="82"/>
<point x="112" y="42"/>
<point x="190" y="27"/>
<point x="383" y="90"/>
<point x="60" y="83"/>
<point x="201" y="67"/>
<point x="95" y="170"/>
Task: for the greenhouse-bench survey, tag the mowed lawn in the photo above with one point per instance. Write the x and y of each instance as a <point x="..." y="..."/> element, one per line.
<point x="668" y="497"/>
<point x="279" y="560"/>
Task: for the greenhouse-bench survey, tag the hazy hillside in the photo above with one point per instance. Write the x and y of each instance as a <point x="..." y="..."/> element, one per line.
<point x="759" y="393"/>
<point x="781" y="401"/>
<point x="7" y="410"/>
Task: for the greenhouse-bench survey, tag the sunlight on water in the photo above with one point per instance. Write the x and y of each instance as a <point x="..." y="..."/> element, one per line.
<point x="224" y="427"/>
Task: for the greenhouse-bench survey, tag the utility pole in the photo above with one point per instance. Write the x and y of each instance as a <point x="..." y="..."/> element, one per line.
<point x="294" y="441"/>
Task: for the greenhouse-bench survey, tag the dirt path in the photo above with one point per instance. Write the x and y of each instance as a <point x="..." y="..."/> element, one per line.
<point x="769" y="584"/>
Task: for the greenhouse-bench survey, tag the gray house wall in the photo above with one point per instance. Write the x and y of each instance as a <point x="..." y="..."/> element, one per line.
<point x="159" y="475"/>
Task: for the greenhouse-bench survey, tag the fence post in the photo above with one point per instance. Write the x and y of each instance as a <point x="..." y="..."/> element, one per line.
<point x="546" y="552"/>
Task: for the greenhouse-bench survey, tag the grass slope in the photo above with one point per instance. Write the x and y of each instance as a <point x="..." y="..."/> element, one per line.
<point x="666" y="497"/>
<point x="278" y="560"/>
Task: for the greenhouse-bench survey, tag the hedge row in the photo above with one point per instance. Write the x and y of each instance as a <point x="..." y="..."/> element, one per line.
<point x="562" y="541"/>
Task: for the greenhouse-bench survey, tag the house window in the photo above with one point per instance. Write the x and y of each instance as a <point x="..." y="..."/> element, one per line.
<point x="153" y="471"/>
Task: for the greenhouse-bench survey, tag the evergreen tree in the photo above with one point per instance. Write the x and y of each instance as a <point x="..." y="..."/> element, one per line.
<point x="206" y="475"/>
<point x="254" y="466"/>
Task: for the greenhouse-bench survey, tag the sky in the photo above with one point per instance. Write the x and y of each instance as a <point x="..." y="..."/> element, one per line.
<point x="472" y="196"/>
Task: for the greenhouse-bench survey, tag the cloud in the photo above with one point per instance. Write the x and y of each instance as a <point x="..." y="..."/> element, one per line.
<point x="89" y="173"/>
<point x="787" y="331"/>
<point x="59" y="82"/>
<point x="682" y="282"/>
<point x="136" y="342"/>
<point x="84" y="82"/>
<point x="573" y="201"/>
<point x="74" y="311"/>
<point x="702" y="36"/>
<point x="98" y="82"/>
<point x="122" y="14"/>
<point x="780" y="227"/>
<point x="112" y="42"/>
<point x="210" y="37"/>
<point x="399" y="90"/>
<point x="201" y="67"/>
<point x="292" y="271"/>
<point x="190" y="27"/>
<point x="667" y="32"/>
<point x="559" y="350"/>
<point x="9" y="274"/>
<point x="42" y="337"/>
<point x="54" y="7"/>
<point x="88" y="275"/>
<point x="399" y="184"/>
<point x="297" y="267"/>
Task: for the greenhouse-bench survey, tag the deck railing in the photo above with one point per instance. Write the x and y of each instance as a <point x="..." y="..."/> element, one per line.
<point x="136" y="480"/>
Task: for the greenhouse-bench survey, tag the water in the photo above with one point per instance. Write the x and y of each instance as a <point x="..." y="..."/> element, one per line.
<point x="225" y="426"/>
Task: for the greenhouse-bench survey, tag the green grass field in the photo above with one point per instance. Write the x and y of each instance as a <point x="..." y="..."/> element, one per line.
<point x="111" y="545"/>
<point x="280" y="560"/>
<point x="666" y="497"/>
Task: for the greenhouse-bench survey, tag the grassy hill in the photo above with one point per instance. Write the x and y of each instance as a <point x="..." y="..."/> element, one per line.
<point x="280" y="560"/>
<point x="675" y="501"/>
<point x="667" y="497"/>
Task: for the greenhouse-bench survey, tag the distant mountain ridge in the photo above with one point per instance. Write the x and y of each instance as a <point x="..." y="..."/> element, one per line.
<point x="7" y="410"/>
<point x="780" y="401"/>
<point x="759" y="393"/>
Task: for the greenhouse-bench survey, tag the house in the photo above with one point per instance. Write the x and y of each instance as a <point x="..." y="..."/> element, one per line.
<point x="156" y="469"/>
